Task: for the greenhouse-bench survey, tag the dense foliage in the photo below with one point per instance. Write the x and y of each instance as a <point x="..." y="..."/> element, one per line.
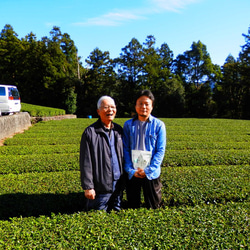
<point x="48" y="72"/>
<point x="206" y="185"/>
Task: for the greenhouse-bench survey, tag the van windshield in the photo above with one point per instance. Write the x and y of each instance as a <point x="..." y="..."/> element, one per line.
<point x="13" y="92"/>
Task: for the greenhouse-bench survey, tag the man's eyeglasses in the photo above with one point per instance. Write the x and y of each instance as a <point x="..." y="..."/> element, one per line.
<point x="108" y="107"/>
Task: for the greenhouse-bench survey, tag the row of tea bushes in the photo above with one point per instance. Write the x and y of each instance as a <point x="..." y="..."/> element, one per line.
<point x="40" y="111"/>
<point x="44" y="140"/>
<point x="206" y="157"/>
<point x="205" y="145"/>
<point x="57" y="139"/>
<point x="42" y="193"/>
<point x="41" y="149"/>
<point x="48" y="139"/>
<point x="199" y="227"/>
<point x="66" y="158"/>
<point x="205" y="178"/>
<point x="39" y="163"/>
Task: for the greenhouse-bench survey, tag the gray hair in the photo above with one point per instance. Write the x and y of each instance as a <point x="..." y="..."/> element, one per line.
<point x="105" y="97"/>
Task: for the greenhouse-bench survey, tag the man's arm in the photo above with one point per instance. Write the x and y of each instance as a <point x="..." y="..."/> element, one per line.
<point x="128" y="166"/>
<point x="159" y="152"/>
<point x="86" y="164"/>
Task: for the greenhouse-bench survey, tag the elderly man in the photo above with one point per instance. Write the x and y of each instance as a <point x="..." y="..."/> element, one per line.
<point x="101" y="159"/>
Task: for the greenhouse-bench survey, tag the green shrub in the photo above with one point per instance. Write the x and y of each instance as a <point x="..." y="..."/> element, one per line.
<point x="42" y="193"/>
<point x="199" y="227"/>
<point x="38" y="163"/>
<point x="40" y="111"/>
<point x="206" y="185"/>
<point x="206" y="157"/>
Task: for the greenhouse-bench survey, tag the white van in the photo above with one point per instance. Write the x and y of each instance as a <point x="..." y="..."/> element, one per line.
<point x="9" y="99"/>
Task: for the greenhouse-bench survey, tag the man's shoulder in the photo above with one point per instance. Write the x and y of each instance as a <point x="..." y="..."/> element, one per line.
<point x="117" y="127"/>
<point x="156" y="121"/>
<point x="129" y="121"/>
<point x="153" y="118"/>
<point x="92" y="127"/>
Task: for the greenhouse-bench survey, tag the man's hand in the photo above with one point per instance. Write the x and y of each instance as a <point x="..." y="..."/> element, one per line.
<point x="90" y="194"/>
<point x="140" y="173"/>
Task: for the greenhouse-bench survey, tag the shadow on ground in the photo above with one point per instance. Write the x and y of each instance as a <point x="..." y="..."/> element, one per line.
<point x="26" y="205"/>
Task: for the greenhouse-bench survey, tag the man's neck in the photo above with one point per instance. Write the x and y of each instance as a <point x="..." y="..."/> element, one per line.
<point x="107" y="125"/>
<point x="142" y="118"/>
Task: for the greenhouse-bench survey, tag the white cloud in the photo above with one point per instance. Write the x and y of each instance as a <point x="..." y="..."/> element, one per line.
<point x="111" y="19"/>
<point x="171" y="5"/>
<point x="121" y="16"/>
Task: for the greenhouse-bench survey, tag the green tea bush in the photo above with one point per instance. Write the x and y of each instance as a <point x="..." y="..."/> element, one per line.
<point x="206" y="157"/>
<point x="34" y="149"/>
<point x="41" y="193"/>
<point x="199" y="227"/>
<point x="38" y="163"/>
<point x="46" y="140"/>
<point x="206" y="185"/>
<point x="40" y="111"/>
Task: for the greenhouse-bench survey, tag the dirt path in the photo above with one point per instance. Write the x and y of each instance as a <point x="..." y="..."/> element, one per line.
<point x="2" y="140"/>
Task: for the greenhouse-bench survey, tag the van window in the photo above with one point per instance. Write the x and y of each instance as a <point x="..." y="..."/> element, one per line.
<point x="2" y="91"/>
<point x="13" y="94"/>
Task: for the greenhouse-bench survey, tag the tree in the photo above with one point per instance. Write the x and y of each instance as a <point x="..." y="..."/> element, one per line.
<point x="228" y="93"/>
<point x="10" y="55"/>
<point x="151" y="65"/>
<point x="170" y="93"/>
<point x="198" y="75"/>
<point x="61" y="60"/>
<point x="166" y="87"/>
<point x="129" y="68"/>
<point x="147" y="67"/>
<point x="244" y="59"/>
<point x="232" y="94"/>
<point x="32" y="71"/>
<point x="100" y="79"/>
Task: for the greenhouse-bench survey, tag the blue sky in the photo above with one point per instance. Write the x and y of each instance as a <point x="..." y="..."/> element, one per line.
<point x="111" y="24"/>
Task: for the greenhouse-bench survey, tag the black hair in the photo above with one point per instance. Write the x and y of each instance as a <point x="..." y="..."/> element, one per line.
<point x="147" y="93"/>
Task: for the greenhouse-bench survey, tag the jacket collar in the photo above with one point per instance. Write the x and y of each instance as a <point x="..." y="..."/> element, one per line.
<point x="100" y="127"/>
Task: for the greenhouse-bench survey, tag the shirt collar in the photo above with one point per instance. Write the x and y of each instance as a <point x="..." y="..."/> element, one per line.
<point x="148" y="120"/>
<point x="107" y="129"/>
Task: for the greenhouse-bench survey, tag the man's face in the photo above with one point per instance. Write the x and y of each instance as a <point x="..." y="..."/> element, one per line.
<point x="143" y="107"/>
<point x="107" y="111"/>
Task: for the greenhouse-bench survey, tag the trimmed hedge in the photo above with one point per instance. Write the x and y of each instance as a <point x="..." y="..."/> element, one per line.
<point x="43" y="193"/>
<point x="199" y="227"/>
<point x="206" y="157"/>
<point x="52" y="140"/>
<point x="40" y="111"/>
<point x="38" y="163"/>
<point x="206" y="185"/>
<point x="41" y="149"/>
<point x="53" y="159"/>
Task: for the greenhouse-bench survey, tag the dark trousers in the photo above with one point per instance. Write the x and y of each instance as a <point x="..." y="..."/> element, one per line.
<point x="151" y="191"/>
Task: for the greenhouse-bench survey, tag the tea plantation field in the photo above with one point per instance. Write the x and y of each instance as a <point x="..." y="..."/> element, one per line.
<point x="206" y="186"/>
